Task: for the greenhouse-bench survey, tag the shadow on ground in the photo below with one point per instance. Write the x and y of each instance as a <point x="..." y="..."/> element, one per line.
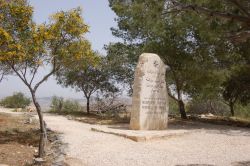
<point x="197" y="126"/>
<point x="30" y="137"/>
<point x="241" y="163"/>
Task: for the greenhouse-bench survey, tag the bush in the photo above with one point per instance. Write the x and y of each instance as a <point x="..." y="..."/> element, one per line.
<point x="242" y="111"/>
<point x="17" y="100"/>
<point x="215" y="107"/>
<point x="173" y="107"/>
<point x="108" y="105"/>
<point x="71" y="106"/>
<point x="58" y="104"/>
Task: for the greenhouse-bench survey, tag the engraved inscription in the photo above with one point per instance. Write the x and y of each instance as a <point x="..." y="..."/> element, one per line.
<point x="149" y="102"/>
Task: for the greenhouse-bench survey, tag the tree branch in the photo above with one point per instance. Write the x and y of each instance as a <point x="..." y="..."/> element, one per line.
<point x="240" y="36"/>
<point x="199" y="9"/>
<point x="54" y="69"/>
<point x="12" y="66"/>
<point x="84" y="92"/>
<point x="171" y="95"/>
<point x="24" y="73"/>
<point x="34" y="73"/>
<point x="25" y="70"/>
<point x="243" y="10"/>
<point x="44" y="79"/>
<point x="2" y="75"/>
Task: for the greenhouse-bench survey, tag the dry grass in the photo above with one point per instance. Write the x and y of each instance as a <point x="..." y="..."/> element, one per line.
<point x="18" y="140"/>
<point x="220" y="120"/>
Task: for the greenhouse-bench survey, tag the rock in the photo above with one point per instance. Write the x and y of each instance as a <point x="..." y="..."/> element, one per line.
<point x="19" y="110"/>
<point x="210" y="115"/>
<point x="60" y="159"/>
<point x="29" y="121"/>
<point x="38" y="160"/>
<point x="69" y="117"/>
<point x="150" y="99"/>
<point x="49" y="129"/>
<point x="203" y="116"/>
<point x="31" y="109"/>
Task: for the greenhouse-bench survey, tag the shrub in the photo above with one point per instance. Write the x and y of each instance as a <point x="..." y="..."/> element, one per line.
<point x="173" y="107"/>
<point x="17" y="100"/>
<point x="215" y="107"/>
<point x="242" y="111"/>
<point x="71" y="106"/>
<point x="108" y="105"/>
<point x="58" y="104"/>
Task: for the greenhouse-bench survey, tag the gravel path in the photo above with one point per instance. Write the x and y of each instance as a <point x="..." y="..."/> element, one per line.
<point x="205" y="144"/>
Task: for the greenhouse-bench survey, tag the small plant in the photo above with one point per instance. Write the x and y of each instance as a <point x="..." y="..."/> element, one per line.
<point x="71" y="106"/>
<point x="58" y="104"/>
<point x="17" y="100"/>
<point x="214" y="106"/>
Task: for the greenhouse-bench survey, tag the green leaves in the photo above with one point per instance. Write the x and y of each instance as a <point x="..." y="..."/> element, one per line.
<point x="87" y="77"/>
<point x="237" y="86"/>
<point x="17" y="100"/>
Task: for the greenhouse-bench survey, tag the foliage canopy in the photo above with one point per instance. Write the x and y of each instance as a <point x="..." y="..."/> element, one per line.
<point x="17" y="100"/>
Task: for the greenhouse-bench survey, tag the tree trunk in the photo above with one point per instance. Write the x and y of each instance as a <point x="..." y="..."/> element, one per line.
<point x="181" y="105"/>
<point x="88" y="105"/>
<point x="43" y="133"/>
<point x="182" y="109"/>
<point x="60" y="106"/>
<point x="231" y="105"/>
<point x="211" y="107"/>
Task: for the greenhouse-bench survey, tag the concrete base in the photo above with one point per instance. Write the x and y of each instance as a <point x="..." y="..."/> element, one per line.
<point x="139" y="135"/>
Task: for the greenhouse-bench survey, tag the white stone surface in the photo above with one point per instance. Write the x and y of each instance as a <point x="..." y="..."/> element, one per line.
<point x="204" y="144"/>
<point x="149" y="100"/>
<point x="139" y="135"/>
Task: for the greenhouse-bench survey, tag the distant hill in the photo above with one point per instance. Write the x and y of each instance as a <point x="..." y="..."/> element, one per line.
<point x="46" y="101"/>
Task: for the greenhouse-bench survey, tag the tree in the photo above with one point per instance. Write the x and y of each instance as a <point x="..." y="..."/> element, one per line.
<point x="228" y="12"/>
<point x="230" y="20"/>
<point x="174" y="39"/>
<point x="237" y="88"/>
<point x="87" y="77"/>
<point x="122" y="62"/>
<point x="57" y="104"/>
<point x="26" y="48"/>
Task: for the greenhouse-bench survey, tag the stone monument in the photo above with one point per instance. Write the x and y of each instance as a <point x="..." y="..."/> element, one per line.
<point x="150" y="99"/>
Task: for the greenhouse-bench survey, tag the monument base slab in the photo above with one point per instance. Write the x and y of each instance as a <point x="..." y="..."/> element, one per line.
<point x="139" y="135"/>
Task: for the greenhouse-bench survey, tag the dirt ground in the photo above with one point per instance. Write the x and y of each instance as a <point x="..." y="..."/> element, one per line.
<point x="18" y="139"/>
<point x="204" y="143"/>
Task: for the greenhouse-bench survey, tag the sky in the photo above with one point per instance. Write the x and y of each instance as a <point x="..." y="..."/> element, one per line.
<point x="96" y="13"/>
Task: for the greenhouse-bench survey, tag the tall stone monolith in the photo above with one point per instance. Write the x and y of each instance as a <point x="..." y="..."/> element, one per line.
<point x="150" y="99"/>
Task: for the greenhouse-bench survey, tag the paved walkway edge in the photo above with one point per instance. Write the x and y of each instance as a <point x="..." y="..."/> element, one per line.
<point x="138" y="138"/>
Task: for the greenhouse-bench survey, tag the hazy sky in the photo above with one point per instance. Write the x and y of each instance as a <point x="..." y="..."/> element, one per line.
<point x="96" y="14"/>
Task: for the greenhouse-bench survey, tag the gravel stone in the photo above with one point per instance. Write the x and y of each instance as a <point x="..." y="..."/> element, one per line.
<point x="205" y="145"/>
